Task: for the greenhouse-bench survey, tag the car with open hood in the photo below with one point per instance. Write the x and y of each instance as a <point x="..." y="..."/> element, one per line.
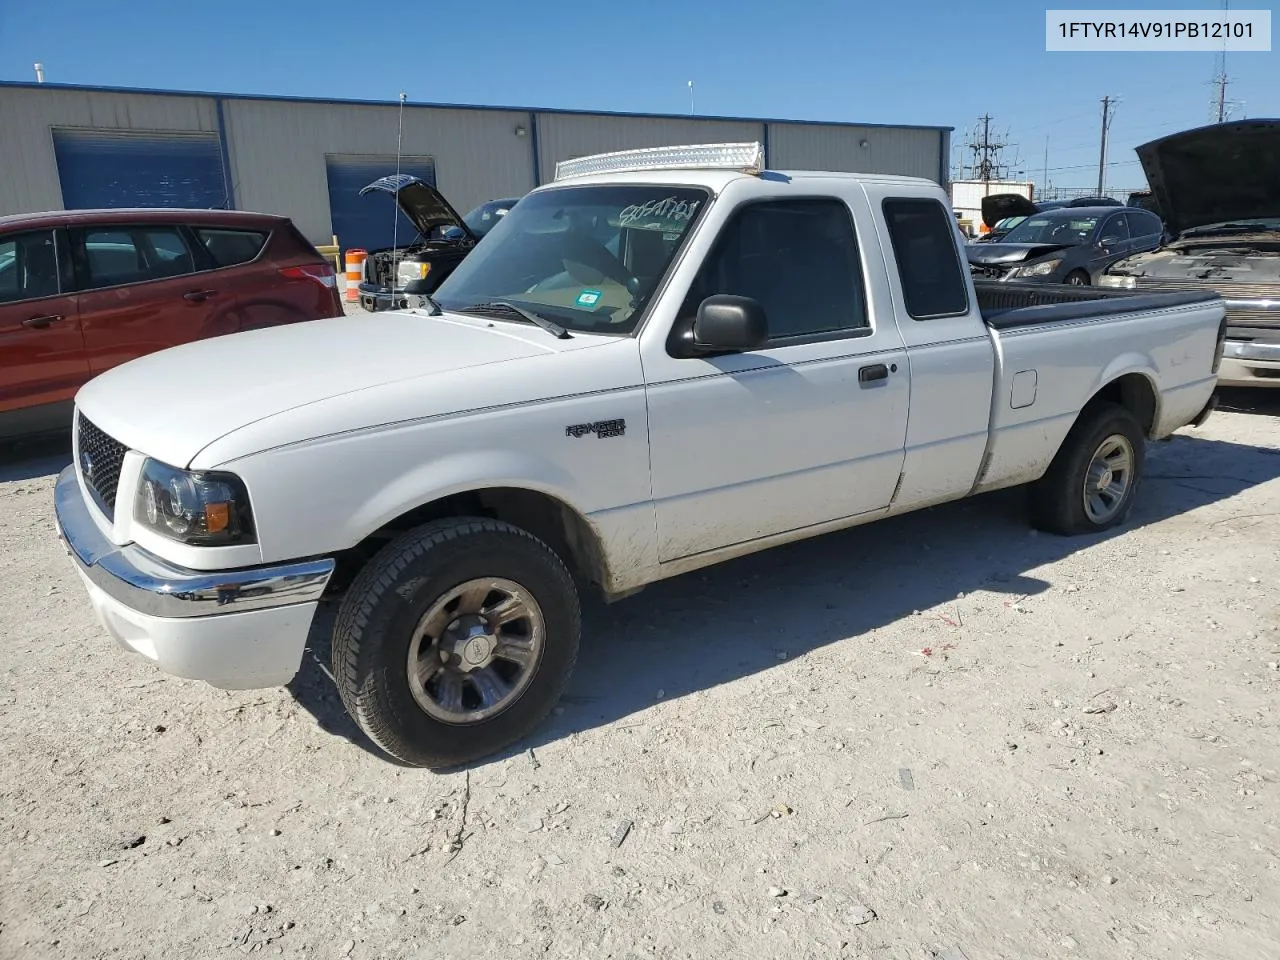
<point x="1218" y="191"/>
<point x="1068" y="244"/>
<point x="1001" y="212"/>
<point x="396" y="275"/>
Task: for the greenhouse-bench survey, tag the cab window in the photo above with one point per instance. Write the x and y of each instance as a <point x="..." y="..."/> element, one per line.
<point x="798" y="259"/>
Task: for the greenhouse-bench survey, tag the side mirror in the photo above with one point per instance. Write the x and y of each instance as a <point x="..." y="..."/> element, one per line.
<point x="1108" y="241"/>
<point x="453" y="233"/>
<point x="730" y="323"/>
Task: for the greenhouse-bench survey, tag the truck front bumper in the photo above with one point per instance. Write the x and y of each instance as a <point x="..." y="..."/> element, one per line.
<point x="236" y="629"/>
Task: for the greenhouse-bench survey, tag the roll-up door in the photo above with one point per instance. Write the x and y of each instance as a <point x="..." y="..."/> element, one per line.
<point x="128" y="168"/>
<point x="367" y="222"/>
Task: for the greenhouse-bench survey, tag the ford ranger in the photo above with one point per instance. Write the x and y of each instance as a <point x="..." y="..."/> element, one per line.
<point x="661" y="360"/>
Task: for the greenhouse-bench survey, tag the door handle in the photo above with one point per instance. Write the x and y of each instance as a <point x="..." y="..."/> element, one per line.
<point x="196" y="296"/>
<point x="877" y="371"/>
<point x="39" y="323"/>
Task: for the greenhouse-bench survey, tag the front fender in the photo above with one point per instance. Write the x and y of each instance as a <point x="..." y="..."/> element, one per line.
<point x="458" y="473"/>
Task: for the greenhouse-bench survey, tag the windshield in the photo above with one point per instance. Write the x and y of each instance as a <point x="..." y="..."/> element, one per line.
<point x="587" y="258"/>
<point x="483" y="218"/>
<point x="1056" y="227"/>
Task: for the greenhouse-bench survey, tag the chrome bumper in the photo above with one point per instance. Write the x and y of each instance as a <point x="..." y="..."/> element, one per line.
<point x="1250" y="350"/>
<point x="149" y="585"/>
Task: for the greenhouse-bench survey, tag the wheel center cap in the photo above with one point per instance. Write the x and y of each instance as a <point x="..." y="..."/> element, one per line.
<point x="1104" y="480"/>
<point x="477" y="650"/>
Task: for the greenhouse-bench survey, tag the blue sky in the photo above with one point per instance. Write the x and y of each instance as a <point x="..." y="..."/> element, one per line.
<point x="928" y="62"/>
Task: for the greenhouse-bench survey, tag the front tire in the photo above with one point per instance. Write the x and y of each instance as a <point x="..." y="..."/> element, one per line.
<point x="1090" y="485"/>
<point x="456" y="640"/>
<point x="1077" y="278"/>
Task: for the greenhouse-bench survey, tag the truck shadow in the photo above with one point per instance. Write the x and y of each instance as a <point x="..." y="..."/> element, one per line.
<point x="740" y="618"/>
<point x="1264" y="402"/>
<point x="38" y="457"/>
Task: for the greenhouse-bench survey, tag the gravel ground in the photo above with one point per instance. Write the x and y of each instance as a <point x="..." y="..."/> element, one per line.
<point x="935" y="736"/>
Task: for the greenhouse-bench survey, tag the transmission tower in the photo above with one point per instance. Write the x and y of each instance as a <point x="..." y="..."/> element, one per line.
<point x="1220" y="108"/>
<point x="984" y="153"/>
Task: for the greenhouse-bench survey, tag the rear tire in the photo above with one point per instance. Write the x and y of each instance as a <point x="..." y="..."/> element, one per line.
<point x="1090" y="485"/>
<point x="435" y="683"/>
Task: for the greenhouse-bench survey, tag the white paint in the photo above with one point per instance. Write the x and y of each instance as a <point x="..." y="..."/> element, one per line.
<point x="1023" y="392"/>
<point x="339" y="426"/>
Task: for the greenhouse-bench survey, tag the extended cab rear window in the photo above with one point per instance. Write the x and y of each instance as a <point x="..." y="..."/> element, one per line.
<point x="924" y="244"/>
<point x="229" y="247"/>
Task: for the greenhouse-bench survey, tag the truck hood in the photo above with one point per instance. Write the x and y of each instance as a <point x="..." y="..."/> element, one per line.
<point x="1215" y="174"/>
<point x="172" y="404"/>
<point x="989" y="254"/>
<point x="421" y="203"/>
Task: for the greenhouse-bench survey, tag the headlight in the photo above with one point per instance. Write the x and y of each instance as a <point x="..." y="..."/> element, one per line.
<point x="1042" y="269"/>
<point x="1114" y="280"/>
<point x="200" y="508"/>
<point x="408" y="270"/>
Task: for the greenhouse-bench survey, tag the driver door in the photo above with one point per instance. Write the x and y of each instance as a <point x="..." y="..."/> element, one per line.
<point x="1113" y="243"/>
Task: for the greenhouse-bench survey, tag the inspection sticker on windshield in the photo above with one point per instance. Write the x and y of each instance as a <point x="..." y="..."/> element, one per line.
<point x="589" y="299"/>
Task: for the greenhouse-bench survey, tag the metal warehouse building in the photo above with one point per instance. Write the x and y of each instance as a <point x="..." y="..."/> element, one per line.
<point x="69" y="147"/>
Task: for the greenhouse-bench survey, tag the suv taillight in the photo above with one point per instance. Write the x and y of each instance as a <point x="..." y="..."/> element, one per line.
<point x="321" y="273"/>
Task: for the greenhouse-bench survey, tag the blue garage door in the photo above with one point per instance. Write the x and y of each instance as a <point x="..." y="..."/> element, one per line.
<point x="367" y="222"/>
<point x="124" y="168"/>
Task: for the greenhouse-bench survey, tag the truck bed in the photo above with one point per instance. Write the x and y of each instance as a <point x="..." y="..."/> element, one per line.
<point x="1048" y="339"/>
<point x="1008" y="305"/>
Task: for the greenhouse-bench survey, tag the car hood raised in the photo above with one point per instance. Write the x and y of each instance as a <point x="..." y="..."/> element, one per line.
<point x="172" y="404"/>
<point x="1215" y="174"/>
<point x="993" y="253"/>
<point x="421" y="203"/>
<point x="1001" y="206"/>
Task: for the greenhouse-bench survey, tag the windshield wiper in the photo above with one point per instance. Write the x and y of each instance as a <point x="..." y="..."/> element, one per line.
<point x="550" y="326"/>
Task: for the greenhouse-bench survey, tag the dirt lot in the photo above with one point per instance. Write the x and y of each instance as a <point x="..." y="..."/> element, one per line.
<point x="936" y="736"/>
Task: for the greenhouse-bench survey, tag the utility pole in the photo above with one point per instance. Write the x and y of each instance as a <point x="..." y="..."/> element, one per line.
<point x="1102" y="153"/>
<point x="691" y="110"/>
<point x="1044" y="183"/>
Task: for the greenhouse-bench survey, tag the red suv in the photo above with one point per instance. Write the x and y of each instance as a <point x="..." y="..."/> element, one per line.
<point x="84" y="290"/>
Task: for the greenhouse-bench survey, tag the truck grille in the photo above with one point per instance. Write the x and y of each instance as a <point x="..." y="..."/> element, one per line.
<point x="99" y="458"/>
<point x="1234" y="291"/>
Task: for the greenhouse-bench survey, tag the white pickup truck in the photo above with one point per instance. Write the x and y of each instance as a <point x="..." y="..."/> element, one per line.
<point x="659" y="361"/>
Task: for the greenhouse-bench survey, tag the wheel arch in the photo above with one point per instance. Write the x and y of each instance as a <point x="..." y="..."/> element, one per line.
<point x="1135" y="390"/>
<point x="544" y="513"/>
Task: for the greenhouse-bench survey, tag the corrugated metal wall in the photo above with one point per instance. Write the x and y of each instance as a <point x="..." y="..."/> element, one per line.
<point x="908" y="151"/>
<point x="278" y="153"/>
<point x="28" y="169"/>
<point x="564" y="136"/>
<point x="277" y="148"/>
